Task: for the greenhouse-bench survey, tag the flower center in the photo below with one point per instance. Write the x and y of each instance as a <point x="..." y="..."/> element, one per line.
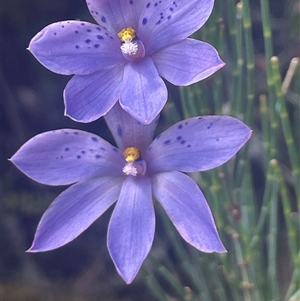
<point x="131" y="46"/>
<point x="135" y="164"/>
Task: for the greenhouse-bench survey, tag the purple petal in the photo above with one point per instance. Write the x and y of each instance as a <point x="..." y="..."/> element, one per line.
<point x="197" y="144"/>
<point x="131" y="228"/>
<point x="88" y="97"/>
<point x="163" y="23"/>
<point x="129" y="132"/>
<point x="74" y="210"/>
<point x="144" y="93"/>
<point x="187" y="208"/>
<point x="187" y="62"/>
<point x="76" y="47"/>
<point x="115" y="15"/>
<point x="66" y="156"/>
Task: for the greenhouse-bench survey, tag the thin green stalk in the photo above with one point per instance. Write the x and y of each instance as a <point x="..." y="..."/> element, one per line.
<point x="247" y="286"/>
<point x="249" y="51"/>
<point x="237" y="95"/>
<point x="271" y="91"/>
<point x="265" y="122"/>
<point x="155" y="288"/>
<point x="272" y="236"/>
<point x="286" y="125"/>
<point x="265" y="208"/>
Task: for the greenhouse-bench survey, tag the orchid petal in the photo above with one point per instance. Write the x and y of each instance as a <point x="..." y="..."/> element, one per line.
<point x="187" y="208"/>
<point x="75" y="47"/>
<point x="88" y="97"/>
<point x="127" y="131"/>
<point x="197" y="144"/>
<point x="163" y="23"/>
<point x="74" y="210"/>
<point x="131" y="228"/>
<point x="187" y="62"/>
<point x="67" y="156"/>
<point x="115" y="15"/>
<point x="144" y="93"/>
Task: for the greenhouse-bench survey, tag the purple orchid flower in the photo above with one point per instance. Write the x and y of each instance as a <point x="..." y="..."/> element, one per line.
<point x="135" y="172"/>
<point x="124" y="57"/>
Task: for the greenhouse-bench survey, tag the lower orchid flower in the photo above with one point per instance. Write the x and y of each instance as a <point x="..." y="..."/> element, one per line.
<point x="132" y="174"/>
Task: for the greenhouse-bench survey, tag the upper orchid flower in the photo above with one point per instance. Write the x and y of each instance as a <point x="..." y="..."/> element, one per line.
<point x="124" y="57"/>
<point x="135" y="172"/>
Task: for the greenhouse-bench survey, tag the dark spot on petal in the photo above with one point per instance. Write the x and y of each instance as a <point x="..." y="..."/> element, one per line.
<point x="188" y="145"/>
<point x="94" y="138"/>
<point x="82" y="24"/>
<point x="131" y="2"/>
<point x="87" y="40"/>
<point x="96" y="45"/>
<point x="171" y="8"/>
<point x="179" y="138"/>
<point x="67" y="149"/>
<point x="62" y="26"/>
<point x="78" y="157"/>
<point x="217" y="139"/>
<point x="76" y="31"/>
<point x="158" y="22"/>
<point x="199" y="118"/>
<point x="55" y="34"/>
<point x="61" y="157"/>
<point x="102" y="148"/>
<point x="98" y="28"/>
<point x="144" y="21"/>
<point x="183" y="142"/>
<point x="103" y="19"/>
<point x="180" y="126"/>
<point x="148" y="5"/>
<point x="100" y="37"/>
<point x="83" y="152"/>
<point x="97" y="156"/>
<point x="119" y="130"/>
<point x="155" y="4"/>
<point x="66" y="133"/>
<point x="210" y="125"/>
<point x="75" y="133"/>
<point x="186" y="123"/>
<point x="167" y="141"/>
<point x="77" y="47"/>
<point x="115" y="149"/>
<point x="91" y="150"/>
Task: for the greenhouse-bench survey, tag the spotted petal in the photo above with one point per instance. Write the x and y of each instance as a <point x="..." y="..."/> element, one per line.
<point x="127" y="131"/>
<point x="88" y="97"/>
<point x="197" y="144"/>
<point x="163" y="23"/>
<point x="115" y="15"/>
<point x="188" y="210"/>
<point x="74" y="210"/>
<point x="131" y="228"/>
<point x="66" y="156"/>
<point x="143" y="93"/>
<point x="187" y="62"/>
<point x="76" y="47"/>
